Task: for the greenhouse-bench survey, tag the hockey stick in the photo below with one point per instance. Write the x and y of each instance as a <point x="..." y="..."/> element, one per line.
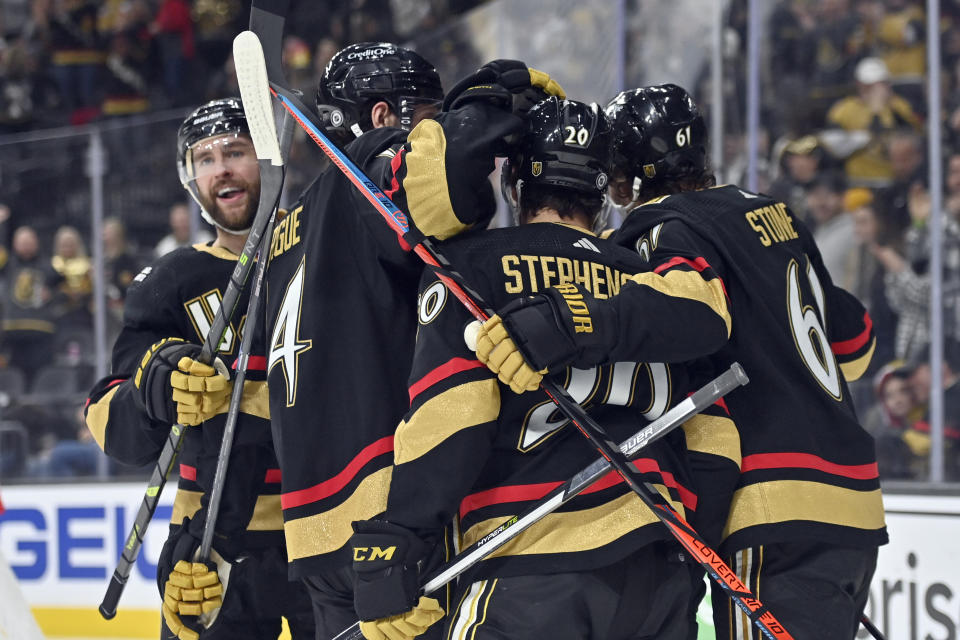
<point x="423" y="247"/>
<point x="252" y="78"/>
<point x="271" y="182"/>
<point x="485" y="546"/>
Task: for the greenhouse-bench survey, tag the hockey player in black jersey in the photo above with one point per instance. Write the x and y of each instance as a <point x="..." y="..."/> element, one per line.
<point x="737" y="277"/>
<point x="469" y="449"/>
<point x="341" y="288"/>
<point x="156" y="382"/>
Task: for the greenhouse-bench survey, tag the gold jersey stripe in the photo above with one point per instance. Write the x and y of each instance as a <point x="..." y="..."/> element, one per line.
<point x="326" y="532"/>
<point x="464" y="406"/>
<point x="217" y="252"/>
<point x="788" y="500"/>
<point x="690" y="285"/>
<point x="98" y="414"/>
<point x="185" y="504"/>
<point x="572" y="531"/>
<point x="855" y="369"/>
<point x="267" y="515"/>
<point x="256" y="399"/>
<point x="428" y="198"/>
<point x="714" y="435"/>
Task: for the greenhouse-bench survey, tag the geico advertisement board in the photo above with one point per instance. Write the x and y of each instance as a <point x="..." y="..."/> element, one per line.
<point x="915" y="594"/>
<point x="62" y="541"/>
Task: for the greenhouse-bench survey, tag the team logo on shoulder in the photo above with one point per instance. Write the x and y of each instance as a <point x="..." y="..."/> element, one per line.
<point x="536" y="168"/>
<point x="431" y="302"/>
<point x="643" y="248"/>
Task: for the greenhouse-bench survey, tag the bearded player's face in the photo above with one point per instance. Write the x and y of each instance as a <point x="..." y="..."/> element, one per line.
<point x="228" y="179"/>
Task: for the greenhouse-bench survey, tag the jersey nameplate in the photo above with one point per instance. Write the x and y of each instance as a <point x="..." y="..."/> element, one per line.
<point x="530" y="274"/>
<point x="286" y="233"/>
<point x="772" y="224"/>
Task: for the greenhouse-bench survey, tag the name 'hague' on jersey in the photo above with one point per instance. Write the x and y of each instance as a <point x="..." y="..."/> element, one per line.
<point x="808" y="468"/>
<point x="178" y="296"/>
<point x="486" y="453"/>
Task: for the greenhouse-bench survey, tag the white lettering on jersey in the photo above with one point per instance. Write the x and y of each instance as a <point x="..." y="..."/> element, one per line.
<point x="285" y="343"/>
<point x="203" y="309"/>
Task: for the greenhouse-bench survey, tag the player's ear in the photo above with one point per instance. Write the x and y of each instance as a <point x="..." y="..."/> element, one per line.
<point x="381" y="115"/>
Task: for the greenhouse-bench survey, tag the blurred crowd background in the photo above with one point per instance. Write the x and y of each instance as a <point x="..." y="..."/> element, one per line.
<point x="91" y="94"/>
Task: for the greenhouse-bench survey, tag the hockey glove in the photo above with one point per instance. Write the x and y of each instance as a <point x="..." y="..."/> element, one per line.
<point x="192" y="592"/>
<point x="174" y="387"/>
<point x="562" y="326"/>
<point x="386" y="595"/>
<point x="508" y="83"/>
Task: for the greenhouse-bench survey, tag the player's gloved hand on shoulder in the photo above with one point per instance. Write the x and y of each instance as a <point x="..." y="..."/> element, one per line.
<point x="176" y="388"/>
<point x="508" y="83"/>
<point x="387" y="593"/>
<point x="564" y="325"/>
<point x="192" y="591"/>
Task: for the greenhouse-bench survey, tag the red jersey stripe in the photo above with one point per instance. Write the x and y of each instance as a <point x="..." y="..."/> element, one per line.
<point x="531" y="492"/>
<point x="846" y="347"/>
<point x="273" y="476"/>
<point x="329" y="487"/>
<point x="187" y="472"/>
<point x="807" y="461"/>
<point x="447" y="369"/>
<point x="254" y="363"/>
<point x="698" y="264"/>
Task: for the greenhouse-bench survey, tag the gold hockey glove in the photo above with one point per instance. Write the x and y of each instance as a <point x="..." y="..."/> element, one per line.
<point x="174" y="387"/>
<point x="405" y="626"/>
<point x="192" y="589"/>
<point x="199" y="390"/>
<point x="498" y="351"/>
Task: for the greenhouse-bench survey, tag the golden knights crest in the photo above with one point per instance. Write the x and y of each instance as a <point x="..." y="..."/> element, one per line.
<point x="536" y="168"/>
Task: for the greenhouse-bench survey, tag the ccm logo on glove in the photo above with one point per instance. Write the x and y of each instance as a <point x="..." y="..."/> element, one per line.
<point x="371" y="554"/>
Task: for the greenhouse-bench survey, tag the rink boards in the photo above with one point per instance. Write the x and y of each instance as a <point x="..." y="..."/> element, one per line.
<point x="62" y="542"/>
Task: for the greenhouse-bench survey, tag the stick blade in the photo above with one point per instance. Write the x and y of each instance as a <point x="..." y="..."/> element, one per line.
<point x="255" y="94"/>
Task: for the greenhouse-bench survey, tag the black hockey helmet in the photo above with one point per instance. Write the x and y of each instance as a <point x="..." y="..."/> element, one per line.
<point x="367" y="72"/>
<point x="220" y="117"/>
<point x="658" y="133"/>
<point x="567" y="144"/>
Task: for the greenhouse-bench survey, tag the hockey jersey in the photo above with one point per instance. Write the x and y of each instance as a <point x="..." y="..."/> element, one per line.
<point x="469" y="447"/>
<point x="341" y="318"/>
<point x="743" y="277"/>
<point x="178" y="296"/>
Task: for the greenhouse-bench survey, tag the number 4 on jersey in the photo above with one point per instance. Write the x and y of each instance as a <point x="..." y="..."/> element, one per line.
<point x="285" y="343"/>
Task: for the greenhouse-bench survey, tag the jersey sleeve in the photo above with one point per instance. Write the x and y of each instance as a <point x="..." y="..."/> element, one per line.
<point x="679" y="309"/>
<point x="114" y="414"/>
<point x="443" y="442"/>
<point x="848" y="324"/>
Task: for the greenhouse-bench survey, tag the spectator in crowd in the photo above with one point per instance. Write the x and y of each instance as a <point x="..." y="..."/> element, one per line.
<point x="173" y="29"/>
<point x="905" y="151"/>
<point x="179" y="235"/>
<point x="907" y="278"/>
<point x="869" y="118"/>
<point x="76" y="455"/>
<point x="77" y="54"/>
<point x="126" y="84"/>
<point x="75" y="291"/>
<point x="120" y="265"/>
<point x="901" y="41"/>
<point x="890" y="419"/>
<point x="830" y="47"/>
<point x="868" y="273"/>
<point x="801" y="161"/>
<point x="918" y="435"/>
<point x="28" y="318"/>
<point x="833" y="227"/>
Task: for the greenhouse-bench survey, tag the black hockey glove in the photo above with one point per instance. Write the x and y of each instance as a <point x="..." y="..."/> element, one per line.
<point x="564" y="325"/>
<point x="508" y="83"/>
<point x="175" y="388"/>
<point x="386" y="595"/>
